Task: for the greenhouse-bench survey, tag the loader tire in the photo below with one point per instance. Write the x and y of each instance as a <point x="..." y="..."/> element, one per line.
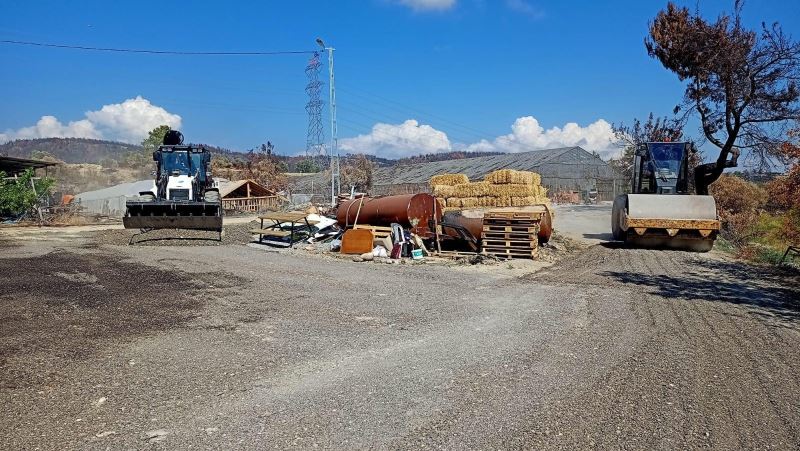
<point x="212" y="197"/>
<point x="617" y="214"/>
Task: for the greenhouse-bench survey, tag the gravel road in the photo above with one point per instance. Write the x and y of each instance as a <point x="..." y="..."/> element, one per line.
<point x="231" y="347"/>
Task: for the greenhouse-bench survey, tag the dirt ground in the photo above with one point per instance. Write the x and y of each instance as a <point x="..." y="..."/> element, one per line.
<point x="109" y="346"/>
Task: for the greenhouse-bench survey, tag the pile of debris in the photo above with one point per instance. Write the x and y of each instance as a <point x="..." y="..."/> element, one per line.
<point x="502" y="188"/>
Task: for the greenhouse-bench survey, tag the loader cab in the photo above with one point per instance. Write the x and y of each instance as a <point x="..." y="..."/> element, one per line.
<point x="182" y="160"/>
<point x="661" y="168"/>
<point x="181" y="172"/>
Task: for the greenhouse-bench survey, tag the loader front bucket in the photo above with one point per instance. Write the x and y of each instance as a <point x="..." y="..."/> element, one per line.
<point x="173" y="215"/>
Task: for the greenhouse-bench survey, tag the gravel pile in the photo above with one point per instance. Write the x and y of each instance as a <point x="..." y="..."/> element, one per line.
<point x="234" y="234"/>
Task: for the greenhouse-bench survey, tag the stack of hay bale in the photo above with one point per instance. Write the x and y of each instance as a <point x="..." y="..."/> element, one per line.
<point x="502" y="188"/>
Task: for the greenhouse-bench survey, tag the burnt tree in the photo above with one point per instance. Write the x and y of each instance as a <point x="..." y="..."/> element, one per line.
<point x="741" y="83"/>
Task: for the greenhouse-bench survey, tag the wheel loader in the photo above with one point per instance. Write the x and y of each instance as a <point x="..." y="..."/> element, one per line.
<point x="660" y="211"/>
<point x="183" y="196"/>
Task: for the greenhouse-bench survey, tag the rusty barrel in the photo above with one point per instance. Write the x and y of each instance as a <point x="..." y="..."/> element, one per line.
<point x="414" y="211"/>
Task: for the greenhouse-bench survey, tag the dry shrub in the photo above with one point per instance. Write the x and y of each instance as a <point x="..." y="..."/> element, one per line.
<point x="448" y="179"/>
<point x="738" y="204"/>
<point x="735" y="195"/>
<point x="510" y="176"/>
<point x="357" y="171"/>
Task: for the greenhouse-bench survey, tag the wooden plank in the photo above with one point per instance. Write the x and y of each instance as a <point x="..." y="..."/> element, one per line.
<point x="511" y="228"/>
<point x="511" y="222"/>
<point x="508" y="253"/>
<point x="519" y="244"/>
<point x="270" y="232"/>
<point x="284" y="217"/>
<point x="510" y="236"/>
<point x="373" y="228"/>
<point x="357" y="241"/>
<point x="514" y="215"/>
<point x="378" y="231"/>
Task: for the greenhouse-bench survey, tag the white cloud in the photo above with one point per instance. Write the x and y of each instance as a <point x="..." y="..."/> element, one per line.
<point x="129" y="121"/>
<point x="524" y="7"/>
<point x="428" y="5"/>
<point x="397" y="141"/>
<point x="526" y="134"/>
<point x="411" y="138"/>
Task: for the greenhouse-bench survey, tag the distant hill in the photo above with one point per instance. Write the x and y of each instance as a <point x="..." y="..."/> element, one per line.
<point x="69" y="150"/>
<point x="444" y="156"/>
<point x="95" y="151"/>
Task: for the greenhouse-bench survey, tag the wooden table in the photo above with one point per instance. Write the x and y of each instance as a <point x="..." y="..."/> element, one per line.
<point x="296" y="219"/>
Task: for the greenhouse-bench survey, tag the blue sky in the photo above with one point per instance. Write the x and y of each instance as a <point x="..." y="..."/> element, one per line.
<point x="433" y="75"/>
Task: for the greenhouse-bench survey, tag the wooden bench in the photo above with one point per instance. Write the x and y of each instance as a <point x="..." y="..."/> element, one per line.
<point x="270" y="232"/>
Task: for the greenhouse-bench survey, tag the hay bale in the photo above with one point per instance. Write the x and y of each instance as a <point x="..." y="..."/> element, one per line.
<point x="448" y="179"/>
<point x="503" y="201"/>
<point x="443" y="191"/>
<point x="487" y="201"/>
<point x="512" y="190"/>
<point x="453" y="202"/>
<point x="476" y="189"/>
<point x="469" y="202"/>
<point x="524" y="201"/>
<point x="510" y="176"/>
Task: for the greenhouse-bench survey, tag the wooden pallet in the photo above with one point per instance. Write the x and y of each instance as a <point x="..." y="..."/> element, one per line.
<point x="505" y="252"/>
<point x="511" y="233"/>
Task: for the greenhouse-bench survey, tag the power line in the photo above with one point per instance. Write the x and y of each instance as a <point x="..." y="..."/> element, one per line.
<point x="154" y="52"/>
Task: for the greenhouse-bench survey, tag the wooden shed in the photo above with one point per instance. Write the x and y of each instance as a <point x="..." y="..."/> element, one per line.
<point x="247" y="195"/>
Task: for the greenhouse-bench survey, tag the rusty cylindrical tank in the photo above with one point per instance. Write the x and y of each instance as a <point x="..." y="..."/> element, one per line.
<point x="472" y="220"/>
<point x="414" y="211"/>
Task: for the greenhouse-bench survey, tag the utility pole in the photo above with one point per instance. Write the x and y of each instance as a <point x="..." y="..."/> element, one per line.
<point x="335" y="182"/>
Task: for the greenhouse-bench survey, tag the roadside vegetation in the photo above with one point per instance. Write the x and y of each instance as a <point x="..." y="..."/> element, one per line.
<point x="19" y="196"/>
<point x="760" y="221"/>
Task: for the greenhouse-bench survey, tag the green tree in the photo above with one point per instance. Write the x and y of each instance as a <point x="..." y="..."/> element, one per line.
<point x="20" y="195"/>
<point x="307" y="166"/>
<point x="155" y="138"/>
<point x="44" y="156"/>
<point x="143" y="159"/>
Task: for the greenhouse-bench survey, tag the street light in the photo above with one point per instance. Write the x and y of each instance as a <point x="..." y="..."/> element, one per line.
<point x="334" y="139"/>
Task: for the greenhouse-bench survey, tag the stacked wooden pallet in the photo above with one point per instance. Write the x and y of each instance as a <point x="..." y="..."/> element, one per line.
<point x="511" y="233"/>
